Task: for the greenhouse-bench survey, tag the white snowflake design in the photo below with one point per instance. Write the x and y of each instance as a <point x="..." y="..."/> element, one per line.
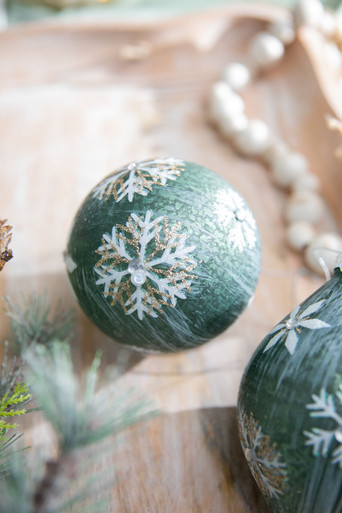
<point x="233" y="214"/>
<point x="145" y="265"/>
<point x="289" y="329"/>
<point x="139" y="178"/>
<point x="323" y="406"/>
<point x="264" y="460"/>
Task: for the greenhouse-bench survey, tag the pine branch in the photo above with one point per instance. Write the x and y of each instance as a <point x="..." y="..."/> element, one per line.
<point x="80" y="415"/>
<point x="16" y="489"/>
<point x="13" y="395"/>
<point x="9" y="404"/>
<point x="6" y="452"/>
<point x="75" y="411"/>
<point x="32" y="323"/>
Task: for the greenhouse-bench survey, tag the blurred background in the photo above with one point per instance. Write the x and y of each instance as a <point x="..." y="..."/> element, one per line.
<point x="21" y="11"/>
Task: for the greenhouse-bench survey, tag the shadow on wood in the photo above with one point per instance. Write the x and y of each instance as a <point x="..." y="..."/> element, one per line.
<point x="185" y="462"/>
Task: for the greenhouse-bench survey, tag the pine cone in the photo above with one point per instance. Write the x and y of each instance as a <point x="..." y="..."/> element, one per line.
<point x="5" y="238"/>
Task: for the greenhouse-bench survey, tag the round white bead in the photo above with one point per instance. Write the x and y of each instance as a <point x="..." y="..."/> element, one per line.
<point x="308" y="12"/>
<point x="276" y="149"/>
<point x="338" y="22"/>
<point x="231" y="125"/>
<point x="304" y="206"/>
<point x="283" y="30"/>
<point x="220" y="90"/>
<point x="306" y="182"/>
<point x="223" y="101"/>
<point x="325" y="247"/>
<point x="286" y="168"/>
<point x="254" y="139"/>
<point x="332" y="56"/>
<point x="232" y="104"/>
<point x="237" y="75"/>
<point x="328" y="24"/>
<point x="299" y="235"/>
<point x="266" y="49"/>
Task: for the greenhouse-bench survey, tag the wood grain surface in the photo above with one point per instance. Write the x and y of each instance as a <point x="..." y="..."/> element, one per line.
<point x="72" y="108"/>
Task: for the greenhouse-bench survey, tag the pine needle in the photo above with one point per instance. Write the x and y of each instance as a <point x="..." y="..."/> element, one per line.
<point x="76" y="412"/>
<point x="31" y="321"/>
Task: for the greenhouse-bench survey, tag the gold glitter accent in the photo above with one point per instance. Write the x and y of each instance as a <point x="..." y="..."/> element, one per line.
<point x="144" y="180"/>
<point x="120" y="292"/>
<point x="5" y="238"/>
<point x="165" y="244"/>
<point x="263" y="457"/>
<point x="170" y="235"/>
<point x="153" y="301"/>
<point x="131" y="229"/>
<point x="113" y="258"/>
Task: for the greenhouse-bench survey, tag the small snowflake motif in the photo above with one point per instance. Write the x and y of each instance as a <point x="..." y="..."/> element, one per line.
<point x="145" y="265"/>
<point x="139" y="178"/>
<point x="233" y="214"/>
<point x="289" y="330"/>
<point x="323" y="406"/>
<point x="264" y="460"/>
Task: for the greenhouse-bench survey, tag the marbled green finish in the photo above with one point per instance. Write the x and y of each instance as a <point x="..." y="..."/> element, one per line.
<point x="225" y="274"/>
<point x="294" y="397"/>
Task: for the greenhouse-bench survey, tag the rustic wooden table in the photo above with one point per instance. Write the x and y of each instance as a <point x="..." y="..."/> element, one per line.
<point x="75" y="102"/>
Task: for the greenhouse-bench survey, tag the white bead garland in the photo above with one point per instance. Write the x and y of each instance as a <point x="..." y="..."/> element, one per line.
<point x="328" y="24"/>
<point x="287" y="168"/>
<point x="231" y="125"/>
<point x="266" y="50"/>
<point x="305" y="182"/>
<point x="251" y="137"/>
<point x="300" y="234"/>
<point x="237" y="76"/>
<point x="309" y="13"/>
<point x="323" y="251"/>
<point x="283" y="30"/>
<point x="304" y="206"/>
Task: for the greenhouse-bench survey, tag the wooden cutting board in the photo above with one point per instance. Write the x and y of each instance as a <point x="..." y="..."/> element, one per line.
<point x="78" y="100"/>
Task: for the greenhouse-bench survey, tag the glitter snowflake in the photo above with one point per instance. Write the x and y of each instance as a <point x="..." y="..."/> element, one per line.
<point x="145" y="265"/>
<point x="139" y="178"/>
<point x="263" y="458"/>
<point x="233" y="214"/>
<point x="288" y="330"/>
<point x="323" y="406"/>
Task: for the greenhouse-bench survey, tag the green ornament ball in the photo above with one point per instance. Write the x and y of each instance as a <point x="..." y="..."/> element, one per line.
<point x="163" y="255"/>
<point x="290" y="407"/>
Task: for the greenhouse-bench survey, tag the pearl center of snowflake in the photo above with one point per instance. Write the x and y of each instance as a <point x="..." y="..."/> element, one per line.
<point x="240" y="214"/>
<point x="338" y="434"/>
<point x="132" y="166"/>
<point x="250" y="456"/>
<point x="137" y="270"/>
<point x="291" y="324"/>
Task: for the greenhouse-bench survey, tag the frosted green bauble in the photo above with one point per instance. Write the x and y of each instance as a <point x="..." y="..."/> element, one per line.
<point x="163" y="255"/>
<point x="290" y="407"/>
